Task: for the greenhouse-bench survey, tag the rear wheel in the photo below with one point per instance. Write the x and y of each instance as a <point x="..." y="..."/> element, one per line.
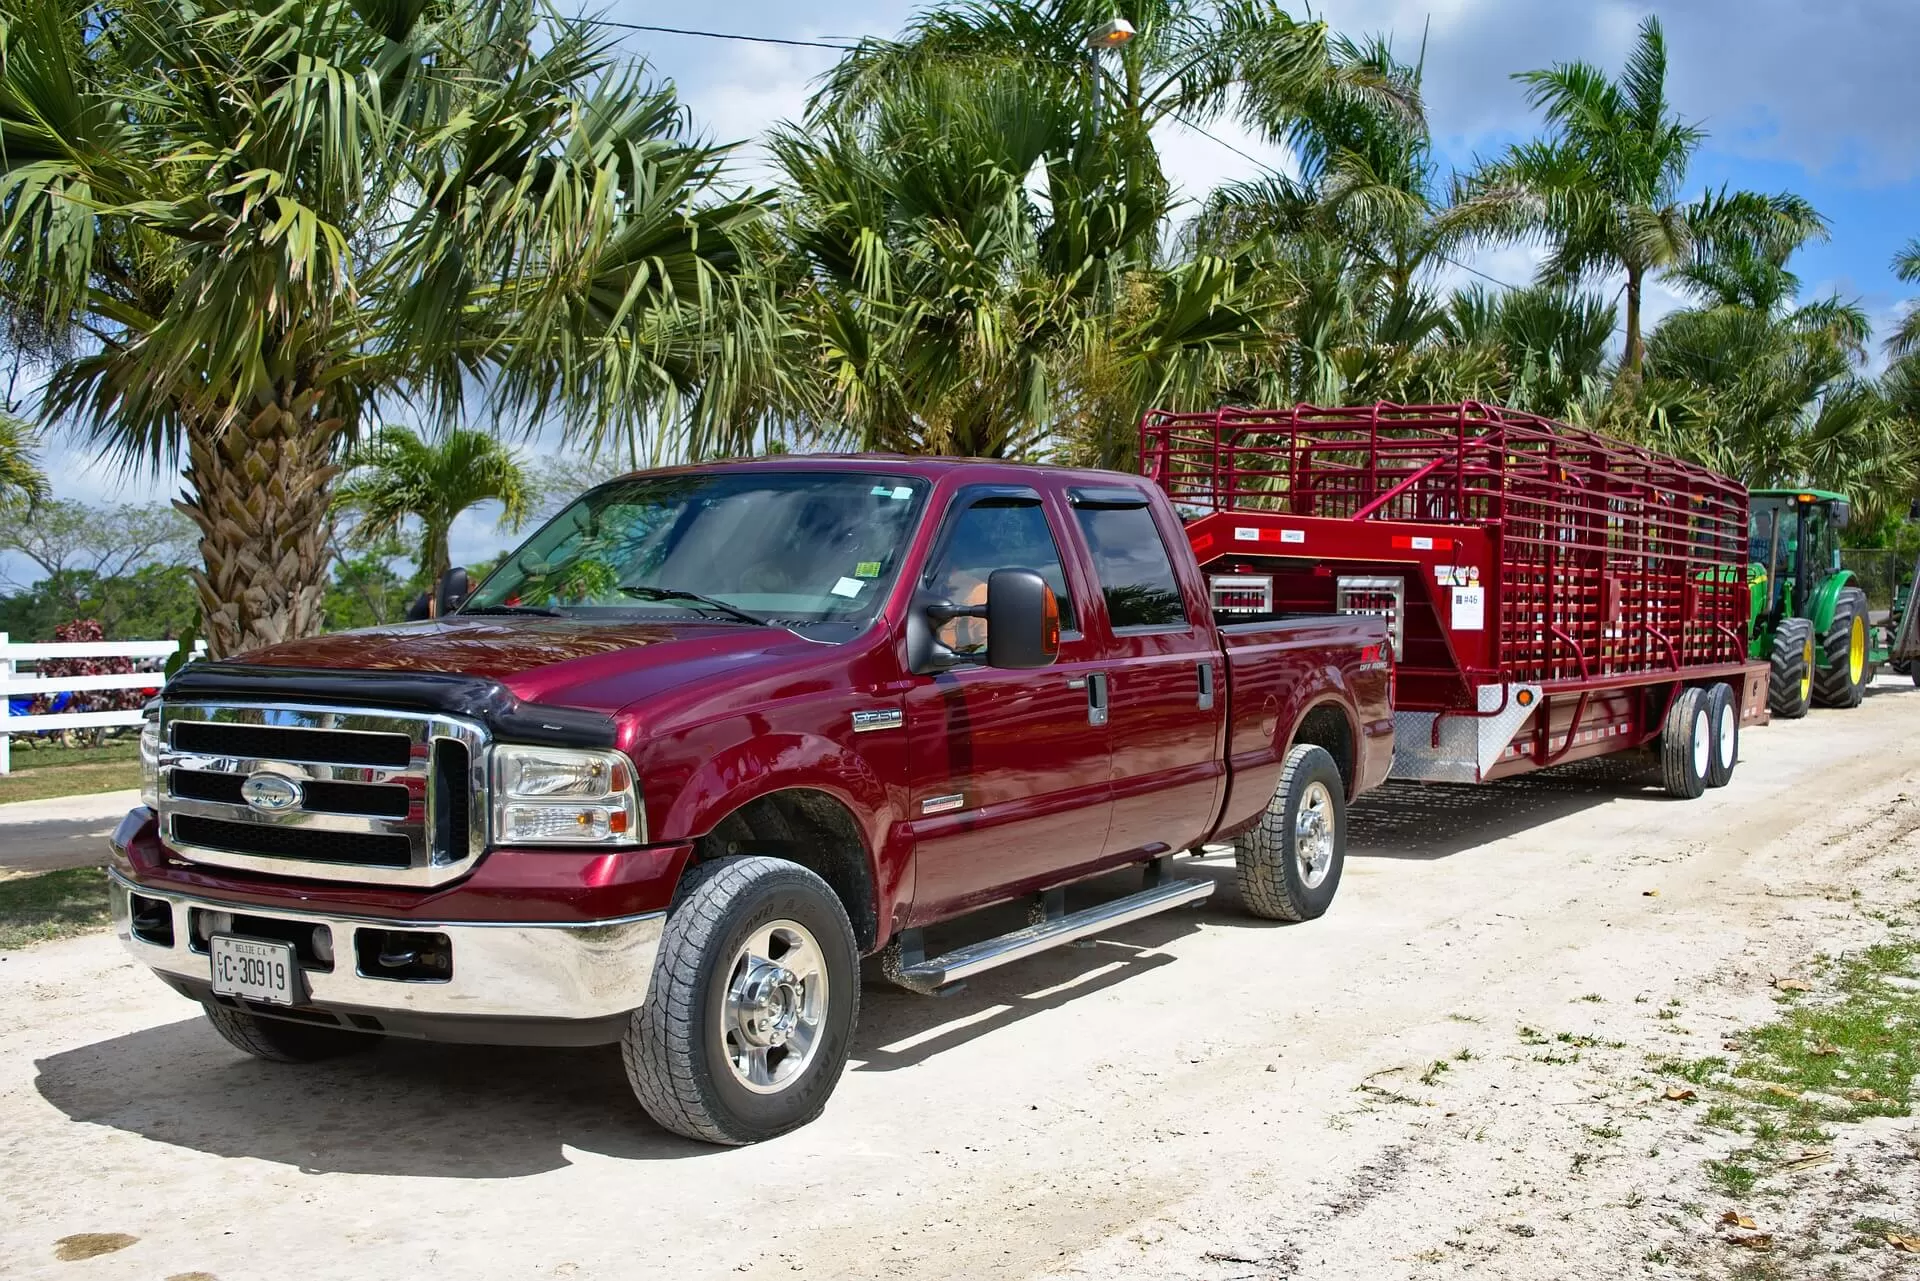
<point x="1686" y="745"/>
<point x="1723" y="718"/>
<point x="281" y="1041"/>
<point x="750" y="1014"/>
<point x="1841" y="680"/>
<point x="1790" y="678"/>
<point x="1290" y="864"/>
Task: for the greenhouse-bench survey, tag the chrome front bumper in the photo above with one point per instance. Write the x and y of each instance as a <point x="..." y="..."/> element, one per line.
<point x="505" y="970"/>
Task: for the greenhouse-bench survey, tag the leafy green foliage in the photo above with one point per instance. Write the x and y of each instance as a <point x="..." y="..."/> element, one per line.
<point x="397" y="476"/>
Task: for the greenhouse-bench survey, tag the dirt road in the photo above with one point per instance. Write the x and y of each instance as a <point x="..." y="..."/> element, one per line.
<point x="1455" y="1071"/>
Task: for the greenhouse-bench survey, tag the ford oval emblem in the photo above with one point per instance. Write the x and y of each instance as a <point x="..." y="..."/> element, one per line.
<point x="270" y="792"/>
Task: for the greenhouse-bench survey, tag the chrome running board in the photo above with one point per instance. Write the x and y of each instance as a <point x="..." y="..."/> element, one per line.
<point x="904" y="965"/>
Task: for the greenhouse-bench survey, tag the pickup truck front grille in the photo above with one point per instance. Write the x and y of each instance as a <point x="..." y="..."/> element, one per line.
<point x="328" y="793"/>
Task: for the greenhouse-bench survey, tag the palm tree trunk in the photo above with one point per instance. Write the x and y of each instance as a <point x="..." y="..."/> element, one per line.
<point x="1635" y="355"/>
<point x="435" y="558"/>
<point x="258" y="491"/>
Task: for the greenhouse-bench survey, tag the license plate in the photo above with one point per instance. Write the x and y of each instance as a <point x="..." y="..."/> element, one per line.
<point x="255" y="970"/>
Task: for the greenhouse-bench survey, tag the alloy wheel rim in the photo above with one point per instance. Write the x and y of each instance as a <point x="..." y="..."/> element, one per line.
<point x="775" y="1007"/>
<point x="1702" y="744"/>
<point x="1729" y="727"/>
<point x="1313" y="835"/>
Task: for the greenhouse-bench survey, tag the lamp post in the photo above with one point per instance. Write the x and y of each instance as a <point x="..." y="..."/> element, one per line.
<point x="1109" y="35"/>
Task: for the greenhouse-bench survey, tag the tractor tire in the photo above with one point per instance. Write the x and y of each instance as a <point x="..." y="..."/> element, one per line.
<point x="1723" y="720"/>
<point x="1686" y="745"/>
<point x="749" y="1018"/>
<point x="1841" y="679"/>
<point x="1290" y="864"/>
<point x="281" y="1040"/>
<point x="1790" y="678"/>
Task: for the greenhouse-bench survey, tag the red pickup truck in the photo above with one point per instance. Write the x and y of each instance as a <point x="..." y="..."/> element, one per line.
<point x="712" y="736"/>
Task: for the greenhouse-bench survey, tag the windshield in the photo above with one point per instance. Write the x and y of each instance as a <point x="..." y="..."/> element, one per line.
<point x="788" y="548"/>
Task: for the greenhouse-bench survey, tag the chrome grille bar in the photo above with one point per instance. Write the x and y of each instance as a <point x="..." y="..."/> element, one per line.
<point x="355" y="760"/>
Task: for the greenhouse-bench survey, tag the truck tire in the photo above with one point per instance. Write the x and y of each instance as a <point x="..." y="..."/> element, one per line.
<point x="1790" y="675"/>
<point x="1723" y="720"/>
<point x="1290" y="864"/>
<point x="1841" y="679"/>
<point x="749" y="1018"/>
<point x="282" y="1041"/>
<point x="1686" y="745"/>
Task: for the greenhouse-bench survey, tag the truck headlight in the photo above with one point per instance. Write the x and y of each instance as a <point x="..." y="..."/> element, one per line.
<point x="560" y="796"/>
<point x="150" y="760"/>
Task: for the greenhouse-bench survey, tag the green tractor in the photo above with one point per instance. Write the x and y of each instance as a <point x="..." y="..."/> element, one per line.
<point x="1905" y="621"/>
<point x="1809" y="615"/>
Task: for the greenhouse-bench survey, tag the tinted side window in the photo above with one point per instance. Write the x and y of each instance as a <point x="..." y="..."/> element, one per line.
<point x="1135" y="574"/>
<point x="994" y="535"/>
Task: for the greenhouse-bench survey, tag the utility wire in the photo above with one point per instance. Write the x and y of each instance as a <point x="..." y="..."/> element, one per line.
<point x="714" y="35"/>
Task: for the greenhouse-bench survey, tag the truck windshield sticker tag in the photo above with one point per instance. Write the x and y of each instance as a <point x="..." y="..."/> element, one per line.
<point x="867" y="569"/>
<point x="848" y="587"/>
<point x="1469" y="609"/>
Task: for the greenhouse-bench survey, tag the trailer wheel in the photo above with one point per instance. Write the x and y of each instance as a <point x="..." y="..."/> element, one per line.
<point x="281" y="1041"/>
<point x="1723" y="715"/>
<point x="1841" y="680"/>
<point x="1790" y="675"/>
<point x="750" y="1014"/>
<point x="1686" y="745"/>
<point x="1290" y="864"/>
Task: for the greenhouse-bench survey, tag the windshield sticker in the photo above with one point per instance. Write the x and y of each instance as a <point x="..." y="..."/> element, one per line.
<point x="898" y="493"/>
<point x="867" y="569"/>
<point x="848" y="587"/>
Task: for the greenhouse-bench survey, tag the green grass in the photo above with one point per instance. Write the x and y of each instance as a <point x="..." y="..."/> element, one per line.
<point x="52" y="905"/>
<point x="40" y="772"/>
<point x="1846" y="1053"/>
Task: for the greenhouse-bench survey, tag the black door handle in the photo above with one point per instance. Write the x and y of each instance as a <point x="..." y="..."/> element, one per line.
<point x="1205" y="671"/>
<point x="1096" y="698"/>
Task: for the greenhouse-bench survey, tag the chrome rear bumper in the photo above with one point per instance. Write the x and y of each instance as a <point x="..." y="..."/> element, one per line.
<point x="503" y="970"/>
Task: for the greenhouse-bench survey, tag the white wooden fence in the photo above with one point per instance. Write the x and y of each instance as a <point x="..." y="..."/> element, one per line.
<point x="14" y="683"/>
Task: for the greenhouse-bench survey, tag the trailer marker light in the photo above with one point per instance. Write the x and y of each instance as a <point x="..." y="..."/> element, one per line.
<point x="1524" y="698"/>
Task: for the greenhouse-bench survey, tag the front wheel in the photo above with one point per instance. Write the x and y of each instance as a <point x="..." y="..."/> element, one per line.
<point x="1790" y="669"/>
<point x="281" y="1041"/>
<point x="1290" y="864"/>
<point x="749" y="1018"/>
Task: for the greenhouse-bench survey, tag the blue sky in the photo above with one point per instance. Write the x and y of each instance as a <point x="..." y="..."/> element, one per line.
<point x="1817" y="99"/>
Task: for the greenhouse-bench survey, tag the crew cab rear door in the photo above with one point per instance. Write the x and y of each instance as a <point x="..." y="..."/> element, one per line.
<point x="1165" y="673"/>
<point x="1008" y="768"/>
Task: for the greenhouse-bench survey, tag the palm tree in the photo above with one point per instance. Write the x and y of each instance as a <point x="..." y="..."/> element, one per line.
<point x="1550" y="344"/>
<point x="1905" y="340"/>
<point x="1604" y="190"/>
<point x="397" y="475"/>
<point x="244" y="230"/>
<point x="964" y="268"/>
<point x="20" y="474"/>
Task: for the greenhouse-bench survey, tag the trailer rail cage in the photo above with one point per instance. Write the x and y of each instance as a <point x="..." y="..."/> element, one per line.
<point x="1551" y="591"/>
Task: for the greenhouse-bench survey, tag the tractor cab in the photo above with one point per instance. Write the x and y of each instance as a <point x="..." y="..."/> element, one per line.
<point x="1793" y="537"/>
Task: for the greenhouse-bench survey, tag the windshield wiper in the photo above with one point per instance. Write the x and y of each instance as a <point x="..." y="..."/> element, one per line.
<point x="538" y="610"/>
<point x="694" y="598"/>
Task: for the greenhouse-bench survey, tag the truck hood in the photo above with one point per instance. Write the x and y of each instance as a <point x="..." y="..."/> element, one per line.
<point x="574" y="662"/>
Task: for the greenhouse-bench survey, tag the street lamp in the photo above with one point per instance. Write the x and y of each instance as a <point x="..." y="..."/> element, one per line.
<point x="1108" y="35"/>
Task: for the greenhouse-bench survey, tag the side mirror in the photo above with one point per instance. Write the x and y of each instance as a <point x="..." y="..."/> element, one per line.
<point x="1023" y="620"/>
<point x="1841" y="515"/>
<point x="1023" y="625"/>
<point x="452" y="591"/>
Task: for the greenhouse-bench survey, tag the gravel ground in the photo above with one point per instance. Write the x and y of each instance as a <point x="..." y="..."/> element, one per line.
<point x="1198" y="1095"/>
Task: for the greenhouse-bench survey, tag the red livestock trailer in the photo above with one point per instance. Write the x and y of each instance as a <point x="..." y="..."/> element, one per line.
<point x="1553" y="594"/>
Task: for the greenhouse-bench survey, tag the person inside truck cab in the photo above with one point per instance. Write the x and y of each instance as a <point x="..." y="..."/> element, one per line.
<point x="986" y="537"/>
